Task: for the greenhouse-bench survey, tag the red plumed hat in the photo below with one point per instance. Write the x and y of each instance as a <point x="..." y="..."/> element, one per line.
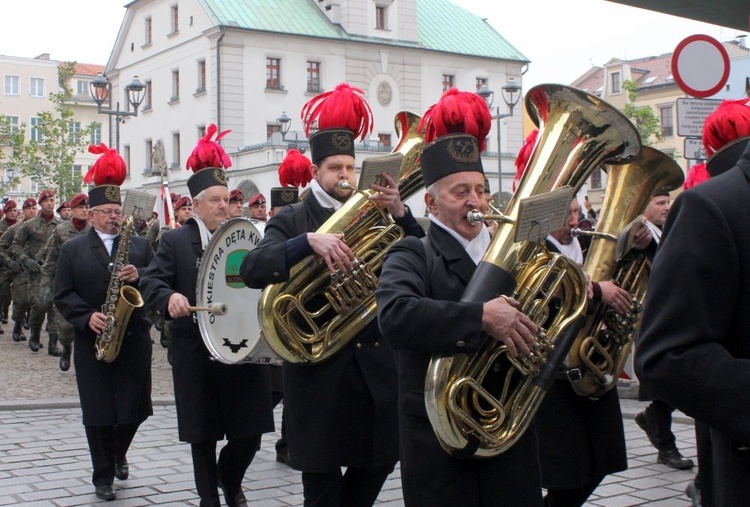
<point x="208" y="162"/>
<point x="341" y="116"/>
<point x="697" y="174"/>
<point x="522" y="159"/>
<point x="730" y="121"/>
<point x="108" y="173"/>
<point x="457" y="112"/>
<point x="294" y="170"/>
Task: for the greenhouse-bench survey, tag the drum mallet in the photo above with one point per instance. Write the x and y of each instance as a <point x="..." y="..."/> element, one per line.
<point x="215" y="308"/>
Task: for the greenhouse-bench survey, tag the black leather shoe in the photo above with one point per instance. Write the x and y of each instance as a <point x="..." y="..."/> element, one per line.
<point x="65" y="358"/>
<point x="282" y="457"/>
<point x="18" y="335"/>
<point x="643" y="422"/>
<point x="673" y="459"/>
<point x="3" y="318"/>
<point x="105" y="492"/>
<point x="236" y="500"/>
<point x="122" y="470"/>
<point x="26" y="323"/>
<point x="693" y="493"/>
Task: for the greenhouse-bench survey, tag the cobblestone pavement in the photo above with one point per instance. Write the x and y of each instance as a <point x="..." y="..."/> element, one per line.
<point x="44" y="459"/>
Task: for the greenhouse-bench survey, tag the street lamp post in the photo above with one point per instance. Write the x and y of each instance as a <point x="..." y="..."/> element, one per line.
<point x="101" y="91"/>
<point x="285" y="123"/>
<point x="511" y="93"/>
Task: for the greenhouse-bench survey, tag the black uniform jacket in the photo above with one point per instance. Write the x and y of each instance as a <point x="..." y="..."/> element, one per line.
<point x="213" y="399"/>
<point x="693" y="347"/>
<point x="342" y="411"/>
<point x="111" y="393"/>
<point x="420" y="314"/>
<point x="579" y="438"/>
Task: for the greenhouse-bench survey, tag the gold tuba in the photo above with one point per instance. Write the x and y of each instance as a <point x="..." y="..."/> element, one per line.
<point x="120" y="302"/>
<point x="313" y="314"/>
<point x="480" y="404"/>
<point x="599" y="352"/>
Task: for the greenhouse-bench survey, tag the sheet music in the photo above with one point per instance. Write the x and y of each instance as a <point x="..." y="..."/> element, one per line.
<point x="138" y="203"/>
<point x="539" y="215"/>
<point x="373" y="167"/>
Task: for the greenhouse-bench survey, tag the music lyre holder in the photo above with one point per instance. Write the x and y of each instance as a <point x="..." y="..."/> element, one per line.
<point x="541" y="214"/>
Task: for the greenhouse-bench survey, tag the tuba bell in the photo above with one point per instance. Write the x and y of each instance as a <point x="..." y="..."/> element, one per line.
<point x="599" y="352"/>
<point x="480" y="404"/>
<point x="313" y="314"/>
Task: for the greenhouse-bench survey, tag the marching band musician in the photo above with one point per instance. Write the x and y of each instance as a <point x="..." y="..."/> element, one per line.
<point x="580" y="440"/>
<point x="115" y="396"/>
<point x="236" y="200"/>
<point x="340" y="412"/>
<point x="420" y="314"/>
<point x="214" y="400"/>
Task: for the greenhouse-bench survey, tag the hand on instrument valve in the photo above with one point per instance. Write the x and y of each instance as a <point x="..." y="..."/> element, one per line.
<point x="178" y="305"/>
<point x="332" y="249"/>
<point x="98" y="322"/>
<point x="502" y="320"/>
<point x="641" y="236"/>
<point x="389" y="196"/>
<point x="128" y="273"/>
<point x="615" y="297"/>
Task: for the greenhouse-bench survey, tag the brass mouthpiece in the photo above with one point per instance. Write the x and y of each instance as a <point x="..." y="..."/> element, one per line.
<point x="475" y="217"/>
<point x="344" y="185"/>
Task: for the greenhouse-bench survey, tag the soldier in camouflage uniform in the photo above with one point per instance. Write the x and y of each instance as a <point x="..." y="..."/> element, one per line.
<point x="6" y="275"/>
<point x="28" y="243"/>
<point x="76" y="226"/>
<point x="64" y="210"/>
<point x="20" y="281"/>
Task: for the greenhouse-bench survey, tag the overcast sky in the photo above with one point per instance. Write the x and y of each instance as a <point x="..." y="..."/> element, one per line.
<point x="562" y="38"/>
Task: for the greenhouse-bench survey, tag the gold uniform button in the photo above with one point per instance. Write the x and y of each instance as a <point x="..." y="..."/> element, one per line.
<point x="460" y="344"/>
<point x="276" y="274"/>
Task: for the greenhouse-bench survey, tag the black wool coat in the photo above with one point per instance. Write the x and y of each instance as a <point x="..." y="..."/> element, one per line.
<point x="342" y="411"/>
<point x="213" y="400"/>
<point x="111" y="393"/>
<point x="693" y="346"/>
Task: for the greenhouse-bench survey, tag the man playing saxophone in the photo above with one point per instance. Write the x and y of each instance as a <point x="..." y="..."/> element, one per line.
<point x="342" y="411"/>
<point x="420" y="314"/>
<point x="115" y="396"/>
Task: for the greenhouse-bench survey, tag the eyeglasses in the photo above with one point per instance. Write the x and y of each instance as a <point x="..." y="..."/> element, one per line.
<point x="109" y="212"/>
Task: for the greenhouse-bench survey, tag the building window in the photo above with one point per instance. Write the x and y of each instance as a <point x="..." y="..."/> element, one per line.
<point x="82" y="88"/>
<point x="34" y="133"/>
<point x="448" y="81"/>
<point x="96" y="134"/>
<point x="74" y="132"/>
<point x="147" y="99"/>
<point x="616" y="83"/>
<point x="75" y="171"/>
<point x="36" y="87"/>
<point x="596" y="179"/>
<point x="126" y="157"/>
<point x="667" y="121"/>
<point x="201" y="131"/>
<point x="381" y="16"/>
<point x="175" y="19"/>
<point x="201" y="76"/>
<point x="273" y="73"/>
<point x="11" y="85"/>
<point x="148" y="28"/>
<point x="175" y="86"/>
<point x="271" y="129"/>
<point x="12" y="123"/>
<point x="384" y="140"/>
<point x="313" y="76"/>
<point x="149" y="151"/>
<point x="176" y="150"/>
<point x="481" y="81"/>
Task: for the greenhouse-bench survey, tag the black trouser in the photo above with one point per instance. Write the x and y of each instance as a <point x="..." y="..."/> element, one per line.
<point x="571" y="497"/>
<point x="659" y="414"/>
<point x="234" y="459"/>
<point x="358" y="487"/>
<point x="107" y="445"/>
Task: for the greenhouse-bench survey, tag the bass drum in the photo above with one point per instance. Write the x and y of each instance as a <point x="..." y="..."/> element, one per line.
<point x="234" y="337"/>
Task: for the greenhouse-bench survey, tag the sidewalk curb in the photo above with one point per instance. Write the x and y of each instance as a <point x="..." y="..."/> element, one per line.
<point x="6" y="406"/>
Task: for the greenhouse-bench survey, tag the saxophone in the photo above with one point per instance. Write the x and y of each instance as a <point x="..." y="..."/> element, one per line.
<point x="481" y="403"/>
<point x="120" y="302"/>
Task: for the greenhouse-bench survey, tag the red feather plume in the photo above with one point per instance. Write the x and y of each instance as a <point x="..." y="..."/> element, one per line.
<point x="730" y="121"/>
<point x="697" y="174"/>
<point x="457" y="112"/>
<point x="109" y="169"/>
<point x="522" y="159"/>
<point x="208" y="152"/>
<point x="344" y="107"/>
<point x="294" y="170"/>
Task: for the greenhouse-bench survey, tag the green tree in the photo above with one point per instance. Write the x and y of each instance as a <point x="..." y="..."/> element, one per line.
<point x="644" y="118"/>
<point x="11" y="152"/>
<point x="49" y="160"/>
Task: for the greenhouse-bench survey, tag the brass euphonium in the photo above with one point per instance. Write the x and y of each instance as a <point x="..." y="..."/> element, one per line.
<point x="313" y="314"/>
<point x="481" y="403"/>
<point x="599" y="353"/>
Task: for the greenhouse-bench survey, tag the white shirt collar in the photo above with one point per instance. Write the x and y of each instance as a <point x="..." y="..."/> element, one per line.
<point x="475" y="248"/>
<point x="323" y="198"/>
